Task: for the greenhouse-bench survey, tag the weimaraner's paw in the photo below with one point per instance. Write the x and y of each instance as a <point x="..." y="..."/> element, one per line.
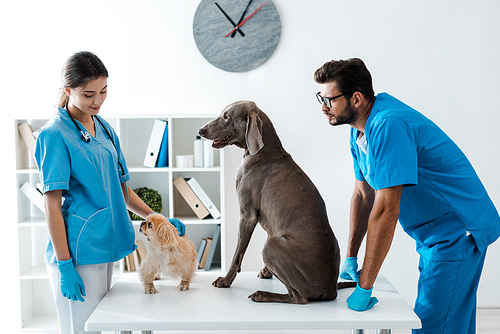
<point x="222" y="282"/>
<point x="269" y="297"/>
<point x="257" y="297"/>
<point x="264" y="273"/>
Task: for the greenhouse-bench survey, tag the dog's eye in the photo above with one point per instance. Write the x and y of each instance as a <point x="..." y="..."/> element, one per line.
<point x="226" y="116"/>
<point x="150" y="225"/>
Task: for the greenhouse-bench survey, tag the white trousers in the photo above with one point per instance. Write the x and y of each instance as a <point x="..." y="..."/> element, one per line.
<point x="72" y="315"/>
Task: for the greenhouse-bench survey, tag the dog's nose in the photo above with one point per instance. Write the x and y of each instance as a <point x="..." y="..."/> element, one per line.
<point x="202" y="131"/>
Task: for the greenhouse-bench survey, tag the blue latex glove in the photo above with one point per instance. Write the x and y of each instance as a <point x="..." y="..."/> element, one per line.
<point x="72" y="286"/>
<point x="361" y="299"/>
<point x="181" y="228"/>
<point x="350" y="269"/>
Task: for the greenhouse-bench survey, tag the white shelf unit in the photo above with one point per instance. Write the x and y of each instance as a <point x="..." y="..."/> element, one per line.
<point x="38" y="312"/>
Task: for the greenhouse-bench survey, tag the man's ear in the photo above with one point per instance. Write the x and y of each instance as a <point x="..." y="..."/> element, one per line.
<point x="356" y="99"/>
<point x="254" y="133"/>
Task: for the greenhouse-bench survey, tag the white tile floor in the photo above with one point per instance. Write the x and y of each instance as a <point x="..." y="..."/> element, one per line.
<point x="488" y="322"/>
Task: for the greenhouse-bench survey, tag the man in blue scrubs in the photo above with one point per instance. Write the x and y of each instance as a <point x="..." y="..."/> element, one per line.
<point x="407" y="168"/>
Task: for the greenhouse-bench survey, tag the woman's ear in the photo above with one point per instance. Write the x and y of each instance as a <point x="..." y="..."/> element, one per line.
<point x="67" y="91"/>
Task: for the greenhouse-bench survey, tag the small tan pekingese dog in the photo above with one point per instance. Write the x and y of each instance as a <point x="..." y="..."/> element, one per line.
<point x="168" y="254"/>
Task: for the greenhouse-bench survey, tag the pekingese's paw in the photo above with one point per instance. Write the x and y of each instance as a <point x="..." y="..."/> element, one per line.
<point x="149" y="288"/>
<point x="184" y="286"/>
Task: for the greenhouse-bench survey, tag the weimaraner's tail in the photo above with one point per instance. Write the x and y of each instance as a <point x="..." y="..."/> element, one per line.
<point x="344" y="285"/>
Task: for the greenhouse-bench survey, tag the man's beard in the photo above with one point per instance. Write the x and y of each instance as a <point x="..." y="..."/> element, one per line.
<point x="347" y="116"/>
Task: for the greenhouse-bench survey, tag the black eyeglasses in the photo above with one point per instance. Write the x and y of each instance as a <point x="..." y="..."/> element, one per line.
<point x="326" y="100"/>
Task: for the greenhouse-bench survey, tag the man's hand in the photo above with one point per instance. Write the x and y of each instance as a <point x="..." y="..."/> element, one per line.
<point x="349" y="270"/>
<point x="361" y="299"/>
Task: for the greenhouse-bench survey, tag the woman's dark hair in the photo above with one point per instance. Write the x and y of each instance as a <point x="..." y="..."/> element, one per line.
<point x="78" y="70"/>
<point x="351" y="76"/>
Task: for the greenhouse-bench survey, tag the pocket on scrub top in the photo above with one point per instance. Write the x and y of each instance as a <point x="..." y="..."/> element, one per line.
<point x="89" y="238"/>
<point x="442" y="238"/>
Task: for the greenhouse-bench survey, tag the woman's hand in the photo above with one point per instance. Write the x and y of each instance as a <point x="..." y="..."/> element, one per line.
<point x="72" y="286"/>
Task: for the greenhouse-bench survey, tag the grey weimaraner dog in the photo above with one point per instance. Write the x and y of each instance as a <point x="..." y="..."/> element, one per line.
<point x="301" y="249"/>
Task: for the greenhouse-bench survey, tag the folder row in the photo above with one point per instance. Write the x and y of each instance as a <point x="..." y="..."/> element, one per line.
<point x="196" y="198"/>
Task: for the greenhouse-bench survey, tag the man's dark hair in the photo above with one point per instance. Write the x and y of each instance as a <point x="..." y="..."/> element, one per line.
<point x="351" y="76"/>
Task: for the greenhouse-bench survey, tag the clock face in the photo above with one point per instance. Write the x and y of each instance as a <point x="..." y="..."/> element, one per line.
<point x="236" y="35"/>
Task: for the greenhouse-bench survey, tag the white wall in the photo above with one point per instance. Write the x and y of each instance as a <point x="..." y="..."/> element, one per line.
<point x="438" y="56"/>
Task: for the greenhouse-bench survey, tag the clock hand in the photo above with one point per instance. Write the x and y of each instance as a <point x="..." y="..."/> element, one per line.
<point x="227" y="17"/>
<point x="242" y="16"/>
<point x="239" y="25"/>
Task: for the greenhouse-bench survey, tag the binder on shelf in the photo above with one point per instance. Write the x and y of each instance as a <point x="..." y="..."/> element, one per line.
<point x="133" y="261"/>
<point x="163" y="155"/>
<point x="204" y="258"/>
<point x="202" y="195"/>
<point x="188" y="194"/>
<point x="135" y="256"/>
<point x="127" y="263"/>
<point x="141" y="249"/>
<point x="155" y="141"/>
<point x="34" y="195"/>
<point x="201" y="249"/>
<point x="130" y="262"/>
<point x="213" y="246"/>
<point x="27" y="134"/>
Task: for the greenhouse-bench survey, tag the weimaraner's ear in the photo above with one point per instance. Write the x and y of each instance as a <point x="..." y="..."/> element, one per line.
<point x="254" y="134"/>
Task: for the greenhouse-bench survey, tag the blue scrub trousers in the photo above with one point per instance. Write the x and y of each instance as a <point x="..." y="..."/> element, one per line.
<point x="446" y="297"/>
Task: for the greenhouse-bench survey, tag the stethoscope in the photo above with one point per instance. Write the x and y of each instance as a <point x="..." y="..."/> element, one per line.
<point x="87" y="139"/>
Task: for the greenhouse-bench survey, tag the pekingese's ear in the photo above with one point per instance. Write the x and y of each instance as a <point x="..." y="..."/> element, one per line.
<point x="166" y="234"/>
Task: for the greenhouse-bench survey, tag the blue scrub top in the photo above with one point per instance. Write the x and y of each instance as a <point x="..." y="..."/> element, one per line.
<point x="442" y="198"/>
<point x="99" y="229"/>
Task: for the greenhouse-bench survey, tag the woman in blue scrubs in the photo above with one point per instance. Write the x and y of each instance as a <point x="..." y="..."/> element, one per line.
<point x="83" y="173"/>
<point x="407" y="168"/>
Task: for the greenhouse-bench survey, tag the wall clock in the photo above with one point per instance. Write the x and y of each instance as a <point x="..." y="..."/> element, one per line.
<point x="236" y="35"/>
